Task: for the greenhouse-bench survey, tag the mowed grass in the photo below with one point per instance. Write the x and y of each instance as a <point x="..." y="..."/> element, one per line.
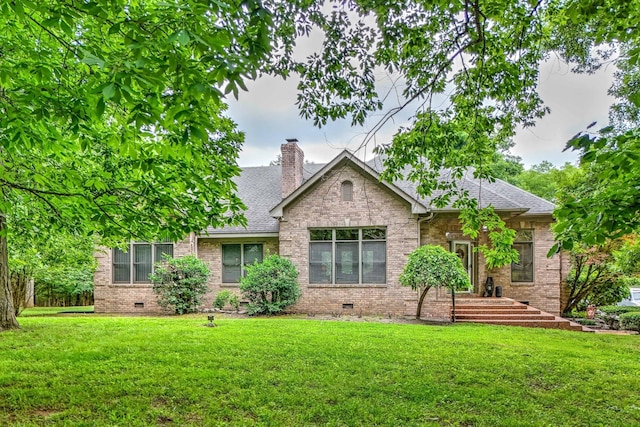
<point x="48" y="311"/>
<point x="127" y="371"/>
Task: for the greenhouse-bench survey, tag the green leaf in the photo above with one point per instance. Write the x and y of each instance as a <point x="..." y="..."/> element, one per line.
<point x="183" y="37"/>
<point x="91" y="59"/>
<point x="100" y="107"/>
<point x="109" y="91"/>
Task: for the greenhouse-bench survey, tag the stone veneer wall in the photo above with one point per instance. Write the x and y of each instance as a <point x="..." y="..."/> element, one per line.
<point x="210" y="251"/>
<point x="121" y="297"/>
<point x="372" y="205"/>
<point x="543" y="293"/>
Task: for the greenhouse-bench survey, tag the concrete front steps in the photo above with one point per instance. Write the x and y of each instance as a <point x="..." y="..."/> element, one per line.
<point x="505" y="311"/>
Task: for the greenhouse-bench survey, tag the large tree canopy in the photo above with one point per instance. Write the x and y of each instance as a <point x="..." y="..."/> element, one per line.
<point x="112" y="113"/>
<point x="483" y="57"/>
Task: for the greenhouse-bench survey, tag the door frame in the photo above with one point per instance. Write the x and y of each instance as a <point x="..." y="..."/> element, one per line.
<point x="471" y="264"/>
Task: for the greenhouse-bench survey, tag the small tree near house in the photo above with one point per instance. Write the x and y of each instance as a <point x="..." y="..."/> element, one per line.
<point x="433" y="266"/>
<point x="180" y="283"/>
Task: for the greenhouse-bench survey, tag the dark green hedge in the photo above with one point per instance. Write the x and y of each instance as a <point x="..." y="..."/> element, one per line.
<point x="630" y="321"/>
<point x="617" y="309"/>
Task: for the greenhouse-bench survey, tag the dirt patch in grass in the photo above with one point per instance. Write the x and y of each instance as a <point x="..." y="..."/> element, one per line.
<point x="44" y="412"/>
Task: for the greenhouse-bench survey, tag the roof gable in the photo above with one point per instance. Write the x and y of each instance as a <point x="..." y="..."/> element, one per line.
<point x="345" y="157"/>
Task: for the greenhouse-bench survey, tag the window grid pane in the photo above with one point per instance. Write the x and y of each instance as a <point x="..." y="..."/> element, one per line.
<point x="231" y="263"/>
<point x="522" y="271"/>
<point x="141" y="263"/>
<point x="347" y="234"/>
<point x="320" y="262"/>
<point x="252" y="253"/>
<point x="374" y="234"/>
<point x="374" y="262"/>
<point x="320" y="234"/>
<point x="121" y="266"/>
<point x="160" y="249"/>
<point x="347" y="262"/>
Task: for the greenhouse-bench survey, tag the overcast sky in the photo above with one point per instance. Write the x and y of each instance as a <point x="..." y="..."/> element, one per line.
<point x="268" y="115"/>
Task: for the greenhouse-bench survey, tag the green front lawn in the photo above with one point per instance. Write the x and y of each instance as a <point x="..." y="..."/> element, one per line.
<point x="126" y="371"/>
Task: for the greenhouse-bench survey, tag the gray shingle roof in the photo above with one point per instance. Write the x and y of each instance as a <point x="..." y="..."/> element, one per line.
<point x="499" y="194"/>
<point x="260" y="190"/>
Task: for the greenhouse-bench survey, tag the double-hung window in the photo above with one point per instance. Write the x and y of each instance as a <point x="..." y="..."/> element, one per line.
<point x="522" y="271"/>
<point x="136" y="264"/>
<point x="348" y="256"/>
<point x="236" y="256"/>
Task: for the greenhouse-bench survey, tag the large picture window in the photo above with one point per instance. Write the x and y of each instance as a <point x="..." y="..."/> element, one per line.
<point x="135" y="265"/>
<point x="522" y="271"/>
<point x="236" y="256"/>
<point x="348" y="256"/>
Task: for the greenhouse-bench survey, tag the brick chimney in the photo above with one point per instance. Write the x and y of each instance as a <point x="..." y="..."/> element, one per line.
<point x="292" y="159"/>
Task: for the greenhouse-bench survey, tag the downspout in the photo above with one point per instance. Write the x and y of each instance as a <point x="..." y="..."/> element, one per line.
<point x="420" y="221"/>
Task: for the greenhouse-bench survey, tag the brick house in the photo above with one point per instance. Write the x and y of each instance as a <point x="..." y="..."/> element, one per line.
<point x="349" y="235"/>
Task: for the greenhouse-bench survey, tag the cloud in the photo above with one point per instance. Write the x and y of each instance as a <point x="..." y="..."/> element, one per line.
<point x="268" y="115"/>
<point x="575" y="101"/>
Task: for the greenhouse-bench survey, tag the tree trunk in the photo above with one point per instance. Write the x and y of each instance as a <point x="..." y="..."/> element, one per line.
<point x="420" y="301"/>
<point x="7" y="312"/>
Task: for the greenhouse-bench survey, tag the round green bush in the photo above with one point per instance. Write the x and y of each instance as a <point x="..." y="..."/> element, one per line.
<point x="433" y="266"/>
<point x="270" y="286"/>
<point x="221" y="299"/>
<point x="180" y="283"/>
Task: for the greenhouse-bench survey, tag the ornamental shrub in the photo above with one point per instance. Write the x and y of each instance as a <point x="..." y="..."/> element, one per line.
<point x="630" y="321"/>
<point x="224" y="297"/>
<point x="433" y="266"/>
<point x="221" y="299"/>
<point x="234" y="302"/>
<point x="270" y="286"/>
<point x="180" y="283"/>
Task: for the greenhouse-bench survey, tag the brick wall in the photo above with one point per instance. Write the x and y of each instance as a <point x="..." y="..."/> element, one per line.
<point x="544" y="292"/>
<point x="372" y="205"/>
<point x="210" y="251"/>
<point x="112" y="297"/>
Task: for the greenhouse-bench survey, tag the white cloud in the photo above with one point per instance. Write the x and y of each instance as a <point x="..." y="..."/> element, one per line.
<point x="575" y="101"/>
<point x="268" y="115"/>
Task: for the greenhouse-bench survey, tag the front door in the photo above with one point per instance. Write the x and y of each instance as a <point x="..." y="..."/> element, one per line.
<point x="464" y="250"/>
